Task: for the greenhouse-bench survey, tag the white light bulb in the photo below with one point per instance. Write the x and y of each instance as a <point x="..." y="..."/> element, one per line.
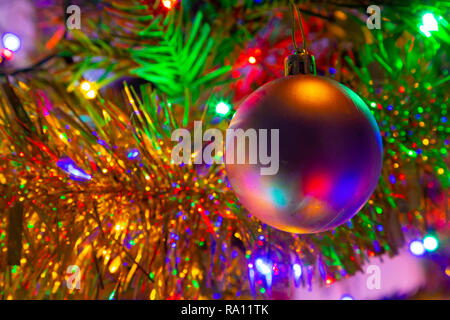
<point x="416" y="247"/>
<point x="11" y="41"/>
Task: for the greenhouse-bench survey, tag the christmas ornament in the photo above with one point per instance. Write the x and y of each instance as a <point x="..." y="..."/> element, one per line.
<point x="330" y="151"/>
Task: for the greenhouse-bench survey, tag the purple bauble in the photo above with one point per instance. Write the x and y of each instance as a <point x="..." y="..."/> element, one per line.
<point x="330" y="154"/>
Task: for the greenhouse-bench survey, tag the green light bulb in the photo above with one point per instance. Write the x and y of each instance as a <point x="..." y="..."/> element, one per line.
<point x="429" y="23"/>
<point x="222" y="108"/>
<point x="430" y="243"/>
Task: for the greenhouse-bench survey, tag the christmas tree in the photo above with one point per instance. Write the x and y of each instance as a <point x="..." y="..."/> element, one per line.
<point x="93" y="206"/>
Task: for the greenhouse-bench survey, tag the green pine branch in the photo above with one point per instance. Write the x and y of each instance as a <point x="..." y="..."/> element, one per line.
<point x="180" y="59"/>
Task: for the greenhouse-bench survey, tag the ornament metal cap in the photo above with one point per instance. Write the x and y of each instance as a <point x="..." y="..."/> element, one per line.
<point x="301" y="62"/>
